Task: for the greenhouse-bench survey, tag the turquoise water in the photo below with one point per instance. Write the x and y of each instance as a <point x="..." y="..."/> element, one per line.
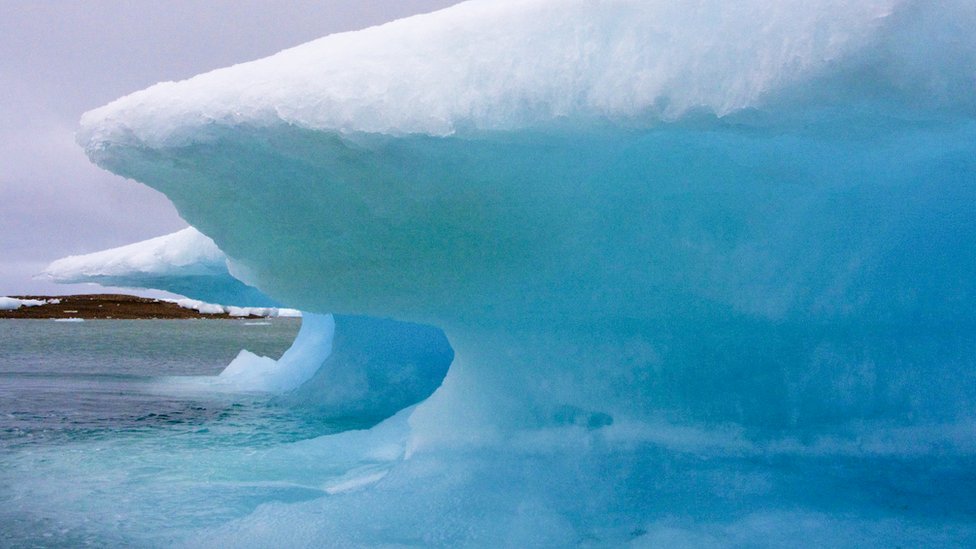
<point x="110" y="435"/>
<point x="92" y="414"/>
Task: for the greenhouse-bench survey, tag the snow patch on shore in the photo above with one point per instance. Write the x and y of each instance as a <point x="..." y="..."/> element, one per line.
<point x="13" y="303"/>
<point x="205" y="308"/>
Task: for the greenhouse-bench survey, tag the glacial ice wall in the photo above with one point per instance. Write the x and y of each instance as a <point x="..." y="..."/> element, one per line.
<point x="757" y="218"/>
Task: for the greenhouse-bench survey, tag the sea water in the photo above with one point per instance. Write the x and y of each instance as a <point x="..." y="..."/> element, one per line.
<point x="111" y="435"/>
<point x="93" y="414"/>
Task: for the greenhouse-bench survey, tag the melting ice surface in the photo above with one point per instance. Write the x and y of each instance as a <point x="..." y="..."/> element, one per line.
<point x="707" y="269"/>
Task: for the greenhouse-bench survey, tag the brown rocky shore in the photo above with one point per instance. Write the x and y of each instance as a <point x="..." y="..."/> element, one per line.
<point x="106" y="306"/>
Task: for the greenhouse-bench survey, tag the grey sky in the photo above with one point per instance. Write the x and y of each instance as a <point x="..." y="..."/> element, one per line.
<point x="59" y="59"/>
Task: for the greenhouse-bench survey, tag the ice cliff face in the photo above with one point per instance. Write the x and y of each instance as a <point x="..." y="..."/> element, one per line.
<point x="758" y="215"/>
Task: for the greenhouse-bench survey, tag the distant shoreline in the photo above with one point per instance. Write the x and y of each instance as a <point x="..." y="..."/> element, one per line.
<point x="108" y="307"/>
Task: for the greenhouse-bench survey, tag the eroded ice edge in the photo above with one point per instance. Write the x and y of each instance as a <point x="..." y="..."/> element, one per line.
<point x="189" y="263"/>
<point x="707" y="269"/>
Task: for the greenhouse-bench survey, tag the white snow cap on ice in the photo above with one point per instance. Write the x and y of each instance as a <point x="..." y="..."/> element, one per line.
<point x="490" y="64"/>
<point x="185" y="252"/>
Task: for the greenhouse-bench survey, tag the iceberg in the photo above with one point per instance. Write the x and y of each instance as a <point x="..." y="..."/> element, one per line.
<point x="706" y="269"/>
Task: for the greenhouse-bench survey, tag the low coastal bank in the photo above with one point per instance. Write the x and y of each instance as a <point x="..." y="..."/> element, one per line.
<point x="108" y="306"/>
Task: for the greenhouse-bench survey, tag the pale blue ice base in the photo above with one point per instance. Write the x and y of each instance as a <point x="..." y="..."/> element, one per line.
<point x="644" y="484"/>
